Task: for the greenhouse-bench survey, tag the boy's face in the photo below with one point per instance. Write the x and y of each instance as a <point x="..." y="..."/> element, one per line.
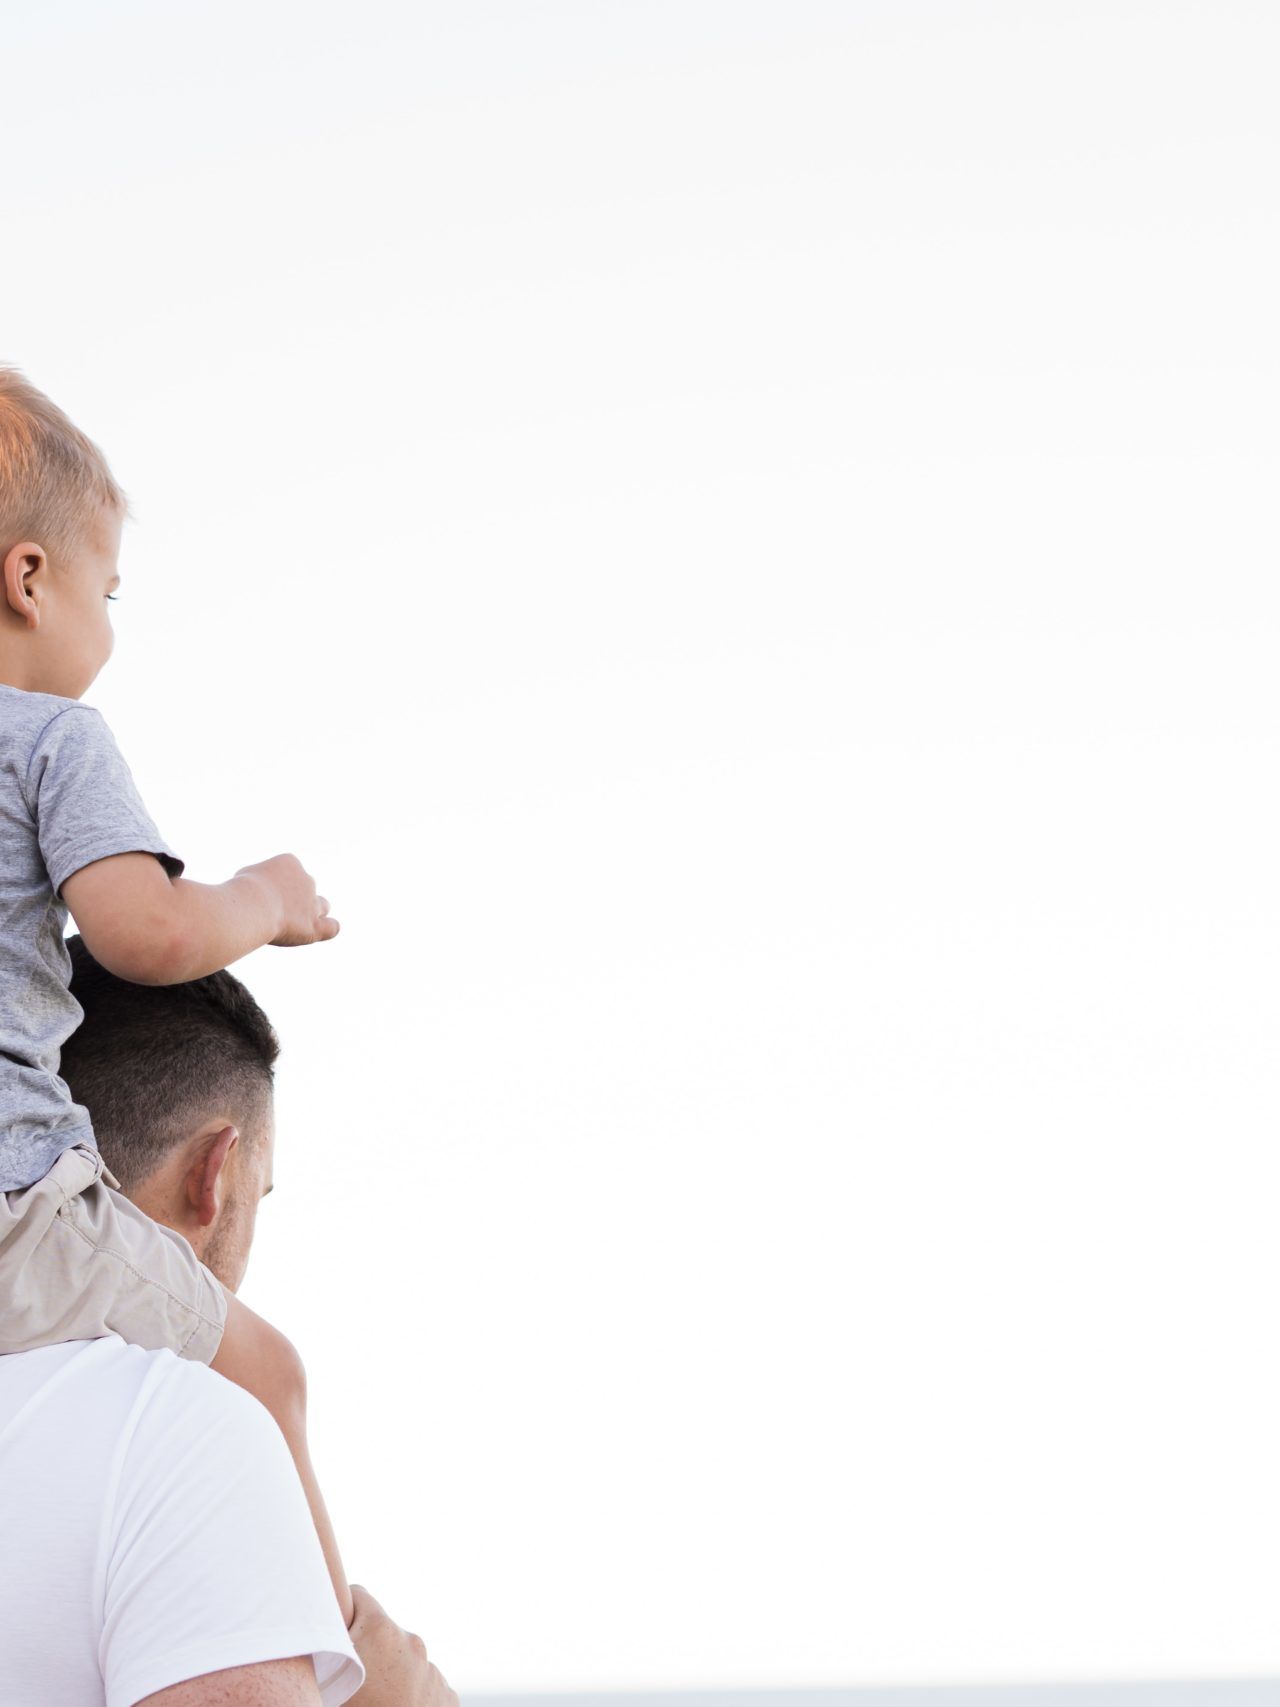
<point x="70" y="638"/>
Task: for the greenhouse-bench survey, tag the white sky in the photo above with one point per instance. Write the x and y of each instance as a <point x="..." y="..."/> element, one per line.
<point x="739" y="541"/>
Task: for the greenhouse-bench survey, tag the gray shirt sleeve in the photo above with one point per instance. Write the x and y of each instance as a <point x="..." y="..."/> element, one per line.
<point x="84" y="801"/>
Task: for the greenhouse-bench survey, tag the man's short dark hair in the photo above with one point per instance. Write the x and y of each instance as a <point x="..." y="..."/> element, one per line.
<point x="149" y="1062"/>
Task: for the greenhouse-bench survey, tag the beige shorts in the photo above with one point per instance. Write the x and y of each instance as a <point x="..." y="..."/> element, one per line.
<point x="78" y="1260"/>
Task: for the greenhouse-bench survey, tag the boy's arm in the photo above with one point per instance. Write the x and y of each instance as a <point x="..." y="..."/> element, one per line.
<point x="150" y="928"/>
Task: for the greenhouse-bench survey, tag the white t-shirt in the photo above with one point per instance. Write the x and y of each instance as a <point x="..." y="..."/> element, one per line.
<point x="153" y="1528"/>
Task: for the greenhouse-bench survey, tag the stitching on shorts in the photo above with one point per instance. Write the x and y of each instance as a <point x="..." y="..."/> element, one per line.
<point x="201" y="1322"/>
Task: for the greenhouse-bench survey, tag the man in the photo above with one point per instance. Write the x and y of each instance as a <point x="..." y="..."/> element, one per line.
<point x="156" y="1544"/>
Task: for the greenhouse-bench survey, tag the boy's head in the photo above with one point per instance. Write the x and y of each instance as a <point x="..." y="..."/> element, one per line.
<point x="61" y="512"/>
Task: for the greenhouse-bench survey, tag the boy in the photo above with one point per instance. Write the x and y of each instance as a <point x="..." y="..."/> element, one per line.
<point x="77" y="1260"/>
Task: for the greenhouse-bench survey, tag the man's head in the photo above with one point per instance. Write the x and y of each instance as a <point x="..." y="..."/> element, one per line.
<point x="178" y="1082"/>
<point x="61" y="513"/>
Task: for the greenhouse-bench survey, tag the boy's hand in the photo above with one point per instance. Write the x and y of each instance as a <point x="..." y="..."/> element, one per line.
<point x="304" y="915"/>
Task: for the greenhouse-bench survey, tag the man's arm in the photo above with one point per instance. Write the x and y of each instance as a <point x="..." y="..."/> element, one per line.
<point x="398" y="1674"/>
<point x="278" y="1683"/>
<point x="212" y="1562"/>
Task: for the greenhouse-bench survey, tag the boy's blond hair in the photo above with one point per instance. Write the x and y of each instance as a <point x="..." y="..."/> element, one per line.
<point x="54" y="482"/>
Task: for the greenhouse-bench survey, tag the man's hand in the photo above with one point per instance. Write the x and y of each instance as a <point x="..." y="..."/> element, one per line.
<point x="303" y="915"/>
<point x="397" y="1670"/>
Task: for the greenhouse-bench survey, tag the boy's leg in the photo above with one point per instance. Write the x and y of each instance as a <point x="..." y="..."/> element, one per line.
<point x="78" y="1260"/>
<point x="260" y="1359"/>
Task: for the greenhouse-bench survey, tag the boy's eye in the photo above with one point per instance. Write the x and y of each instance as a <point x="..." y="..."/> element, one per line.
<point x="113" y="597"/>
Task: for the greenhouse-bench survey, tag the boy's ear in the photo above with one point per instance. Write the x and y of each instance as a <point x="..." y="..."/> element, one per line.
<point x="24" y="568"/>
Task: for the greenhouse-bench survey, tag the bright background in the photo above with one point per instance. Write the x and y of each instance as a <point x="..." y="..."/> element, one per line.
<point x="739" y="541"/>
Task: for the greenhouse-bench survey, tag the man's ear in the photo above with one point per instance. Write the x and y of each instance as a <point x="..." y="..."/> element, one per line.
<point x="204" y="1177"/>
<point x="25" y="568"/>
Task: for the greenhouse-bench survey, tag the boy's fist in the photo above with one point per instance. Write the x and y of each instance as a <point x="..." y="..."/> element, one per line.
<point x="303" y="915"/>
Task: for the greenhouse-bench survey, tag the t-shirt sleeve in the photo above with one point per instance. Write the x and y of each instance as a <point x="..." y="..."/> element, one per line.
<point x="84" y="800"/>
<point x="211" y="1557"/>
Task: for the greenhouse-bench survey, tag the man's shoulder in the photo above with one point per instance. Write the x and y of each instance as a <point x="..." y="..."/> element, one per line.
<point x="114" y="1385"/>
<point x="184" y="1407"/>
<point x="184" y="1544"/>
<point x="205" y="1484"/>
<point x="34" y="1385"/>
<point x="183" y="1387"/>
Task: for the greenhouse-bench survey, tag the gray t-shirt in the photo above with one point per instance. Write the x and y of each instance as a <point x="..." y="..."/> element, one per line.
<point x="66" y="800"/>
